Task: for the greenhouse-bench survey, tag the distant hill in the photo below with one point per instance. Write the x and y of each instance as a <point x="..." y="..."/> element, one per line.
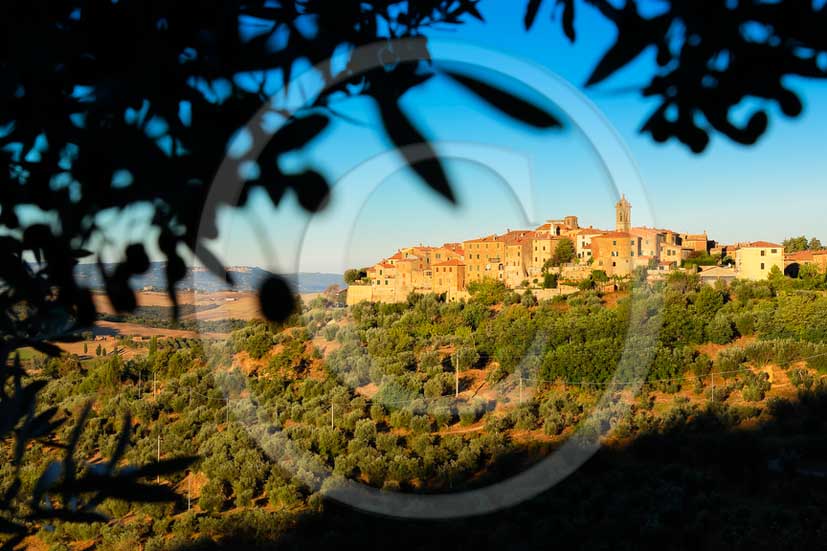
<point x="246" y="278"/>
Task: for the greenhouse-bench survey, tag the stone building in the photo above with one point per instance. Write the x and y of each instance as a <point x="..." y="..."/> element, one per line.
<point x="448" y="276"/>
<point x="623" y="215"/>
<point x="755" y="260"/>
<point x="616" y="253"/>
<point x="484" y="258"/>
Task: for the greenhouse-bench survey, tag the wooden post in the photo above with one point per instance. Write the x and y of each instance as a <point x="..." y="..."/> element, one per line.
<point x="456" y="374"/>
<point x="521" y="389"/>
<point x="158" y="478"/>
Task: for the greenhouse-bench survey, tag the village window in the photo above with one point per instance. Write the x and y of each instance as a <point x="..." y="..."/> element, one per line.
<point x="762" y="264"/>
<point x="614" y="242"/>
<point x="773" y="251"/>
<point x="762" y="252"/>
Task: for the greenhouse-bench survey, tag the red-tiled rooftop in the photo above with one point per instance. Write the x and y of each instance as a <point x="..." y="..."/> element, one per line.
<point x="800" y="255"/>
<point x="613" y="234"/>
<point x="762" y="244"/>
<point x="452" y="262"/>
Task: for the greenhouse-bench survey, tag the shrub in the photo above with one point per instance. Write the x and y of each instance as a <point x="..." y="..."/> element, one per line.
<point x="420" y="424"/>
<point x="467" y="415"/>
<point x="801" y="379"/>
<point x="365" y="431"/>
<point x="745" y="324"/>
<point x="730" y="360"/>
<point x="818" y="361"/>
<point x="525" y="417"/>
<point x="401" y="419"/>
<point x="720" y="330"/>
<point x="212" y="496"/>
<point x="755" y="386"/>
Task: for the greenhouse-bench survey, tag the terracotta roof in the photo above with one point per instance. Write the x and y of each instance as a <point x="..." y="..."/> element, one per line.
<point x="397" y="256"/>
<point x="386" y="265"/>
<point x="588" y="231"/>
<point x="761" y="244"/>
<point x="488" y="238"/>
<point x="543" y="227"/>
<point x="800" y="255"/>
<point x="452" y="262"/>
<point x="644" y="229"/>
<point x="516" y="236"/>
<point x="614" y="234"/>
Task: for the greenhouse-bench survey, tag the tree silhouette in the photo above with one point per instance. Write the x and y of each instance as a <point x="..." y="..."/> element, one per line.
<point x="108" y="105"/>
<point x="711" y="57"/>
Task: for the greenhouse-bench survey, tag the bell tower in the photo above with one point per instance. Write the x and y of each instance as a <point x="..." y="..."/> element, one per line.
<point x="623" y="215"/>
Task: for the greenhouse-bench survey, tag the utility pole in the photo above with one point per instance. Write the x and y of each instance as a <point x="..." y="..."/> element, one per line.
<point x="189" y="491"/>
<point x="158" y="477"/>
<point x="456" y="374"/>
<point x="521" y="389"/>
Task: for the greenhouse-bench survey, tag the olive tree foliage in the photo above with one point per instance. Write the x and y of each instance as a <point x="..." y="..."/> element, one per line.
<point x="123" y="106"/>
<point x="113" y="107"/>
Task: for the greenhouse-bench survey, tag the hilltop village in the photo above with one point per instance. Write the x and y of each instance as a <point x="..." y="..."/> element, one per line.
<point x="552" y="258"/>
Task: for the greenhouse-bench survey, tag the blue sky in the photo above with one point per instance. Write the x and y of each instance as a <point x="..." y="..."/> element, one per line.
<point x="765" y="192"/>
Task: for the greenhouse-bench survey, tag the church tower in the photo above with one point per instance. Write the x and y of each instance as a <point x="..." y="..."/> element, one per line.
<point x="623" y="215"/>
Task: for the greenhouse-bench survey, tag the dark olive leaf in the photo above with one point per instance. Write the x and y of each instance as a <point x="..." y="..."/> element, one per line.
<point x="85" y="311"/>
<point x="506" y="102"/>
<point x="568" y="18"/>
<point x="45" y="347"/>
<point x="123" y="442"/>
<point x="299" y="131"/>
<point x="471" y="7"/>
<point x="211" y="262"/>
<point x="121" y="295"/>
<point x="175" y="272"/>
<point x="48" y="479"/>
<point x="139" y="492"/>
<point x="36" y="238"/>
<point x="42" y="424"/>
<point x="311" y="188"/>
<point x="136" y="258"/>
<point x="531" y="13"/>
<point x="80" y="517"/>
<point x="424" y="160"/>
<point x="276" y="299"/>
<point x="10" y="493"/>
<point x="8" y="527"/>
<point x="81" y="253"/>
<point x="631" y="40"/>
<point x="158" y="468"/>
